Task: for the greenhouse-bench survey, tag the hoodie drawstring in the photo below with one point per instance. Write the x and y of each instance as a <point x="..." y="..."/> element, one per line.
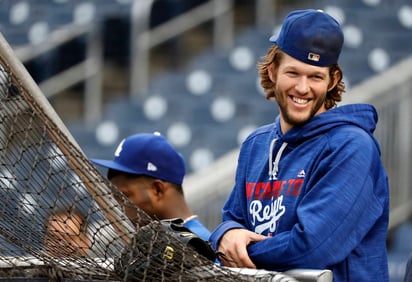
<point x="274" y="166"/>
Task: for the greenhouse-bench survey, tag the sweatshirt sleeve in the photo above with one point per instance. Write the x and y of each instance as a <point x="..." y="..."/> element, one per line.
<point x="346" y="198"/>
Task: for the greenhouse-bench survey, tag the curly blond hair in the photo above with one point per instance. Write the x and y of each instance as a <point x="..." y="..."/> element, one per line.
<point x="274" y="55"/>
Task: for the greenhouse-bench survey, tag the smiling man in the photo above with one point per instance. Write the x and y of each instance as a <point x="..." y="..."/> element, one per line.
<point x="310" y="189"/>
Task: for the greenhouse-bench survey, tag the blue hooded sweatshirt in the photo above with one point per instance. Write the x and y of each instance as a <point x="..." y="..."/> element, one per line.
<point x="320" y="192"/>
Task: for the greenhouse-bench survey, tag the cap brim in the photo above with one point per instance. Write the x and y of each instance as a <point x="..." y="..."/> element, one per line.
<point x="112" y="165"/>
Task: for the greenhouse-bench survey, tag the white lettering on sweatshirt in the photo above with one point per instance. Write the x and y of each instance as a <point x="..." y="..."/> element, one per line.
<point x="269" y="214"/>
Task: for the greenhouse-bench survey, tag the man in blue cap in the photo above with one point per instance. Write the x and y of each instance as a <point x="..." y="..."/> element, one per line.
<point x="310" y="189"/>
<point x="150" y="172"/>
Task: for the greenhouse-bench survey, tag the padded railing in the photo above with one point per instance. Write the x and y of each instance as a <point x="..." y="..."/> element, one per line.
<point x="391" y="93"/>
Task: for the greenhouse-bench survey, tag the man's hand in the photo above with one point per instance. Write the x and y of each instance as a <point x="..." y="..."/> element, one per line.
<point x="233" y="247"/>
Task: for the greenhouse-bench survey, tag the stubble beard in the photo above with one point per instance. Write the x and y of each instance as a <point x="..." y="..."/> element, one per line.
<point x="289" y="118"/>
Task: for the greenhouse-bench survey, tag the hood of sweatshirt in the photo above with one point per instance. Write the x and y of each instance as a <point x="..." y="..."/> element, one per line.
<point x="363" y="116"/>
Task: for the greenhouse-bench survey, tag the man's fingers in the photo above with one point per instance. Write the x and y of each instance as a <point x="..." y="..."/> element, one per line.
<point x="227" y="261"/>
<point x="238" y="259"/>
<point x="234" y="247"/>
<point x="243" y="256"/>
<point x="258" y="237"/>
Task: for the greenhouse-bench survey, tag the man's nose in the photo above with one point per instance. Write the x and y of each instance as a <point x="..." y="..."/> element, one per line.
<point x="302" y="85"/>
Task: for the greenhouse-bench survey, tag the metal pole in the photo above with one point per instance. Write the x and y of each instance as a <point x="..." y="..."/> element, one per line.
<point x="139" y="48"/>
<point x="223" y="24"/>
<point x="93" y="84"/>
<point x="265" y="13"/>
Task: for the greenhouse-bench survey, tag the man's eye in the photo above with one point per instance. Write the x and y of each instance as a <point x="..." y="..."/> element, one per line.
<point x="318" y="77"/>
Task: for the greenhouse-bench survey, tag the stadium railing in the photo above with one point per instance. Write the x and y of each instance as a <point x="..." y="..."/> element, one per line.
<point x="143" y="38"/>
<point x="87" y="71"/>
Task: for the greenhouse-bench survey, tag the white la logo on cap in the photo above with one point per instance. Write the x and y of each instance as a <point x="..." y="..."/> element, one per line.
<point x="119" y="148"/>
<point x="151" y="167"/>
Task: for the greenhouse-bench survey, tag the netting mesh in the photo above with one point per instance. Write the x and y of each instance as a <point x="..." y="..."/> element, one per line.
<point x="61" y="219"/>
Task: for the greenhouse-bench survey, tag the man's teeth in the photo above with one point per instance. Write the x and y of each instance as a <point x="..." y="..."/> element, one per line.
<point x="299" y="101"/>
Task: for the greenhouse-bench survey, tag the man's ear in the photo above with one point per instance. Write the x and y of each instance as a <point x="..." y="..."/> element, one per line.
<point x="337" y="75"/>
<point x="158" y="189"/>
<point x="272" y="72"/>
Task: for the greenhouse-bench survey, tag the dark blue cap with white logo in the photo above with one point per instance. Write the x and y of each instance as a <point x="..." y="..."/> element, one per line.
<point x="147" y="154"/>
<point x="311" y="36"/>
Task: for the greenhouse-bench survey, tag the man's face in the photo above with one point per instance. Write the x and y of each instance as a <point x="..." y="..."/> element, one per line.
<point x="137" y="189"/>
<point x="64" y="236"/>
<point x="300" y="90"/>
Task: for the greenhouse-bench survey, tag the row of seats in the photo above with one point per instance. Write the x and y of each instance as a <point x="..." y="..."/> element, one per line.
<point x="218" y="97"/>
<point x="30" y="22"/>
<point x="218" y="93"/>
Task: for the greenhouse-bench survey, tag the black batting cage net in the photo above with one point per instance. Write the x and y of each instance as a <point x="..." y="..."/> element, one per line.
<point x="61" y="220"/>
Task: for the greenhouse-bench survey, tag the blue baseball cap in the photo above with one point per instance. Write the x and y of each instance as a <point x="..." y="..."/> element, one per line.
<point x="147" y="154"/>
<point x="311" y="36"/>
